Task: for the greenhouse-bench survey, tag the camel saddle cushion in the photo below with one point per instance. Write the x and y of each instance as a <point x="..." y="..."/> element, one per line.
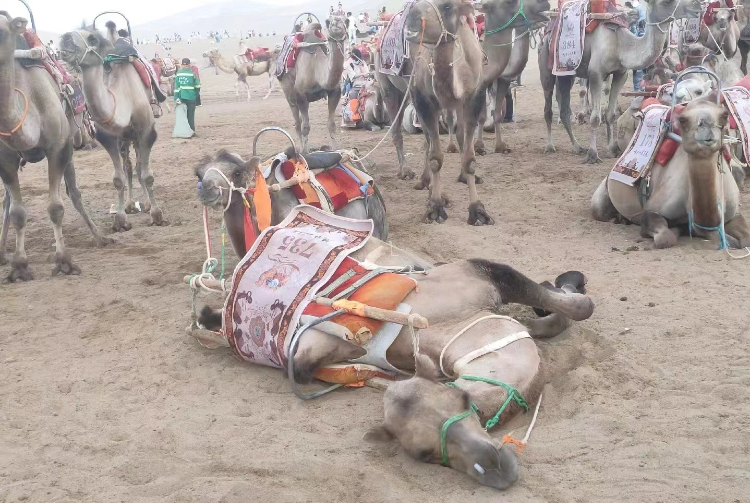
<point x="339" y="183"/>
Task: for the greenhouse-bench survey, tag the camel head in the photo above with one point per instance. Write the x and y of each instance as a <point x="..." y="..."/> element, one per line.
<point x="213" y="189"/>
<point x="84" y="48"/>
<point x="428" y="18"/>
<point x="722" y="20"/>
<point x="415" y="411"/>
<point x="702" y="126"/>
<point x="664" y="10"/>
<point x="336" y="28"/>
<point x="499" y="12"/>
<point x="10" y="28"/>
<point x="212" y="53"/>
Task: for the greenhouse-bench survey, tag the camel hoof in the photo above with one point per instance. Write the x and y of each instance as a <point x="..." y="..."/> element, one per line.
<point x="614" y="152"/>
<point x="550" y="149"/>
<point x="436" y="212"/>
<point x="19" y="272"/>
<point x="422" y="184"/>
<point x="503" y="149"/>
<point x="576" y="279"/>
<point x="581" y="309"/>
<point x="157" y="218"/>
<point x="121" y="224"/>
<point x="65" y="266"/>
<point x="593" y="157"/>
<point x="130" y="208"/>
<point x="477" y="179"/>
<point x="478" y="215"/>
<point x="406" y="174"/>
<point x="666" y="239"/>
<point x="579" y="150"/>
<point x="452" y="149"/>
<point x="581" y="118"/>
<point x="105" y="241"/>
<point x="480" y="150"/>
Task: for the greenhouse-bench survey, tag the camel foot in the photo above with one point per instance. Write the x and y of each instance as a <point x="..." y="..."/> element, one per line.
<point x="665" y="239"/>
<point x="130" y="208"/>
<point x="406" y="174"/>
<point x="593" y="157"/>
<point x="157" y="218"/>
<point x="576" y="279"/>
<point x="478" y="215"/>
<point x="105" y="241"/>
<point x="579" y="150"/>
<point x="581" y="118"/>
<point x="423" y="183"/>
<point x="146" y="205"/>
<point x="120" y="223"/>
<point x="614" y="151"/>
<point x="436" y="212"/>
<point x="477" y="179"/>
<point x="452" y="149"/>
<point x="550" y="149"/>
<point x="63" y="265"/>
<point x="480" y="150"/>
<point x="19" y="272"/>
<point x="502" y="148"/>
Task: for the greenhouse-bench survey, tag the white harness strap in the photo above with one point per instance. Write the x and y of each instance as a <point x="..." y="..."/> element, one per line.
<point x="489" y="348"/>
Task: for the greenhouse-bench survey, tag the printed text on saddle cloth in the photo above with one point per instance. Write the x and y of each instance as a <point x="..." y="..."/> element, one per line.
<point x="279" y="276"/>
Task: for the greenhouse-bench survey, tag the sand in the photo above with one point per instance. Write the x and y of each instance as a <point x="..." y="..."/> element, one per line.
<point x="105" y="398"/>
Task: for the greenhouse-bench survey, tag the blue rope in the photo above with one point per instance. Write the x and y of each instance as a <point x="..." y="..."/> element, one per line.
<point x="723" y="242"/>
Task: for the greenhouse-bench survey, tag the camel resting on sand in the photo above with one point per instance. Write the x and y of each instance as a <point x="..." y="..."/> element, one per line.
<point x="694" y="192"/>
<point x="34" y="126"/>
<point x="245" y="70"/>
<point x="416" y="410"/>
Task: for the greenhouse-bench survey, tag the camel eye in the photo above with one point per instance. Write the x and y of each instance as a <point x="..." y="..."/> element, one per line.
<point x="237" y="173"/>
<point x="447" y="7"/>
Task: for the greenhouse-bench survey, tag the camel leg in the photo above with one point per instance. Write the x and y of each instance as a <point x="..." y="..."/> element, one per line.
<point x="57" y="163"/>
<point x="548" y="86"/>
<point x="479" y="147"/>
<point x="334" y="97"/>
<point x="656" y="226"/>
<point x="392" y="99"/>
<point x="618" y="80"/>
<point x="429" y="115"/>
<point x="304" y="110"/>
<point x="738" y="229"/>
<point x="75" y="197"/>
<point x="6" y="224"/>
<point x="467" y="116"/>
<point x="247" y="90"/>
<point x="127" y="166"/>
<point x="271" y="82"/>
<point x="564" y="85"/>
<point x="595" y="85"/>
<point x="146" y="175"/>
<point x="297" y="122"/>
<point x="111" y="145"/>
<point x="744" y="48"/>
<point x="17" y="217"/>
<point x="583" y="102"/>
<point x="237" y="90"/>
<point x="502" y="89"/>
<point x="602" y="208"/>
<point x="451" y="141"/>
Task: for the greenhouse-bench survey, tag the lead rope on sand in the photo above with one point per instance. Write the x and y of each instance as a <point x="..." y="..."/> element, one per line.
<point x="521" y="444"/>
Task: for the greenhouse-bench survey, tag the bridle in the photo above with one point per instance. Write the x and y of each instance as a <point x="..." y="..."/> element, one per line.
<point x="668" y="19"/>
<point x="232" y="187"/>
<point x="519" y="12"/>
<point x="444" y="33"/>
<point x="89" y="49"/>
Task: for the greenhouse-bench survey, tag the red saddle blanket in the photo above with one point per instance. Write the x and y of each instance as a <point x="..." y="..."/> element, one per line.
<point x="258" y="54"/>
<point x="298" y="38"/>
<point x="143" y="73"/>
<point x="339" y="184"/>
<point x="605" y="7"/>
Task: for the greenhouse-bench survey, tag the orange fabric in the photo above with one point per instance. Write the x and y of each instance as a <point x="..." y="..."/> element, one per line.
<point x="352" y="375"/>
<point x="385" y="291"/>
<point x="262" y="201"/>
<point x="354" y="107"/>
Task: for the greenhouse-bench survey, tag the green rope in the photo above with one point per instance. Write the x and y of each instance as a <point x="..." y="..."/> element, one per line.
<point x="111" y="58"/>
<point x="513" y="395"/>
<point x="444" y="433"/>
<point x="223" y="247"/>
<point x="519" y="12"/>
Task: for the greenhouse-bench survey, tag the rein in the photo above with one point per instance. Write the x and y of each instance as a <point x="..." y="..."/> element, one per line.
<point x="89" y="49"/>
<point x="519" y="12"/>
<point x="114" y="109"/>
<point x="23" y="117"/>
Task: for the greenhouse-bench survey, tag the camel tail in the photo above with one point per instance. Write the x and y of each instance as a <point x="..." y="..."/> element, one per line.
<point x="517" y="288"/>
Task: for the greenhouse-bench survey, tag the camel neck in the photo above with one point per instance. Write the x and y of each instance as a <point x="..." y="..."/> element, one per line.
<point x="223" y="64"/>
<point x="498" y="49"/>
<point x="640" y="52"/>
<point x="519" y="56"/>
<point x="704" y="177"/>
<point x="98" y="99"/>
<point x="335" y="63"/>
<point x="9" y="98"/>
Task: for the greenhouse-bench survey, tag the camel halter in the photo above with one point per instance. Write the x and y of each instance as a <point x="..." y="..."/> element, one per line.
<point x="89" y="49"/>
<point x="444" y="33"/>
<point x="668" y="19"/>
<point x="114" y="109"/>
<point x="519" y="12"/>
<point x="23" y="117"/>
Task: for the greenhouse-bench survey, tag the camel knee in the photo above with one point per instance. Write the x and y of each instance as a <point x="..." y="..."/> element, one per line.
<point x="582" y="93"/>
<point x="468" y="166"/>
<point x="56" y="212"/>
<point x="18" y="216"/>
<point x="119" y="182"/>
<point x="595" y="120"/>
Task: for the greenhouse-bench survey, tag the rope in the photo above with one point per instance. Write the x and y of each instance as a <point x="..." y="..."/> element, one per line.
<point x="463" y="331"/>
<point x="669" y="18"/>
<point x="513" y="396"/>
<point x="23" y="117"/>
<point x="521" y="444"/>
<point x="519" y="12"/>
<point x="114" y="109"/>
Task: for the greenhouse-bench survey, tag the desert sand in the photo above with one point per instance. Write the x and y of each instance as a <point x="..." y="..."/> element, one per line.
<point x="105" y="398"/>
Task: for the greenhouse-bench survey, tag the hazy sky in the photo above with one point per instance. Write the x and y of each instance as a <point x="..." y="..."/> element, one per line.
<point x="59" y="16"/>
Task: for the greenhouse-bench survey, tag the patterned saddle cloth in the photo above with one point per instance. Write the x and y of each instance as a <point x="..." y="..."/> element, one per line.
<point x="287" y="58"/>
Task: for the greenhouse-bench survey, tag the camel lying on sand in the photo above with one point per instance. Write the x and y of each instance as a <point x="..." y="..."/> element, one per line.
<point x="689" y="193"/>
<point x="34" y="126"/>
<point x="245" y="70"/>
<point x="434" y="422"/>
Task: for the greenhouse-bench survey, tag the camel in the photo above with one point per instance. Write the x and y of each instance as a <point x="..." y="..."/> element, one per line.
<point x="722" y="36"/>
<point x="417" y="409"/>
<point x="245" y="70"/>
<point x="215" y="193"/>
<point x="374" y="115"/>
<point x="609" y="52"/>
<point x="120" y="107"/>
<point x="316" y="75"/>
<point x="743" y="44"/>
<point x="689" y="183"/>
<point x="34" y="126"/>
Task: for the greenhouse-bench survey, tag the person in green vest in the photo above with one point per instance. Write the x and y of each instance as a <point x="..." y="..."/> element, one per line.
<point x="186" y="89"/>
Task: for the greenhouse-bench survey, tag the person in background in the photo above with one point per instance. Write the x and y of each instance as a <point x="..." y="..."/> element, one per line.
<point x="637" y="27"/>
<point x="51" y="49"/>
<point x="197" y="74"/>
<point x="340" y="10"/>
<point x="186" y="90"/>
<point x="330" y="12"/>
<point x="354" y="69"/>
<point x="352" y="28"/>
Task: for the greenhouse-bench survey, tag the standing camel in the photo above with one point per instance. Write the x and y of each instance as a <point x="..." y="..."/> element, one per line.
<point x="34" y="126"/>
<point x="721" y="36"/>
<point x="316" y="75"/>
<point x="606" y="52"/>
<point x="120" y="106"/>
<point x="244" y="70"/>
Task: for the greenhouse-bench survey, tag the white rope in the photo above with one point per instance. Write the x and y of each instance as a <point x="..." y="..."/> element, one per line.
<point x="669" y="18"/>
<point x="463" y="331"/>
<point x="723" y="203"/>
<point x="525" y="439"/>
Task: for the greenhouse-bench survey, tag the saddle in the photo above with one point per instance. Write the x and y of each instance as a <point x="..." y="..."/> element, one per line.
<point x="606" y="7"/>
<point x="124" y="52"/>
<point x="290" y="49"/>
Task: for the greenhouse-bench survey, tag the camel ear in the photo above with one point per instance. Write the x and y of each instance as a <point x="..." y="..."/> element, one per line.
<point x="252" y="164"/>
<point x="425" y="368"/>
<point x="723" y="118"/>
<point x="465" y="9"/>
<point x="19" y="25"/>
<point x="378" y="434"/>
